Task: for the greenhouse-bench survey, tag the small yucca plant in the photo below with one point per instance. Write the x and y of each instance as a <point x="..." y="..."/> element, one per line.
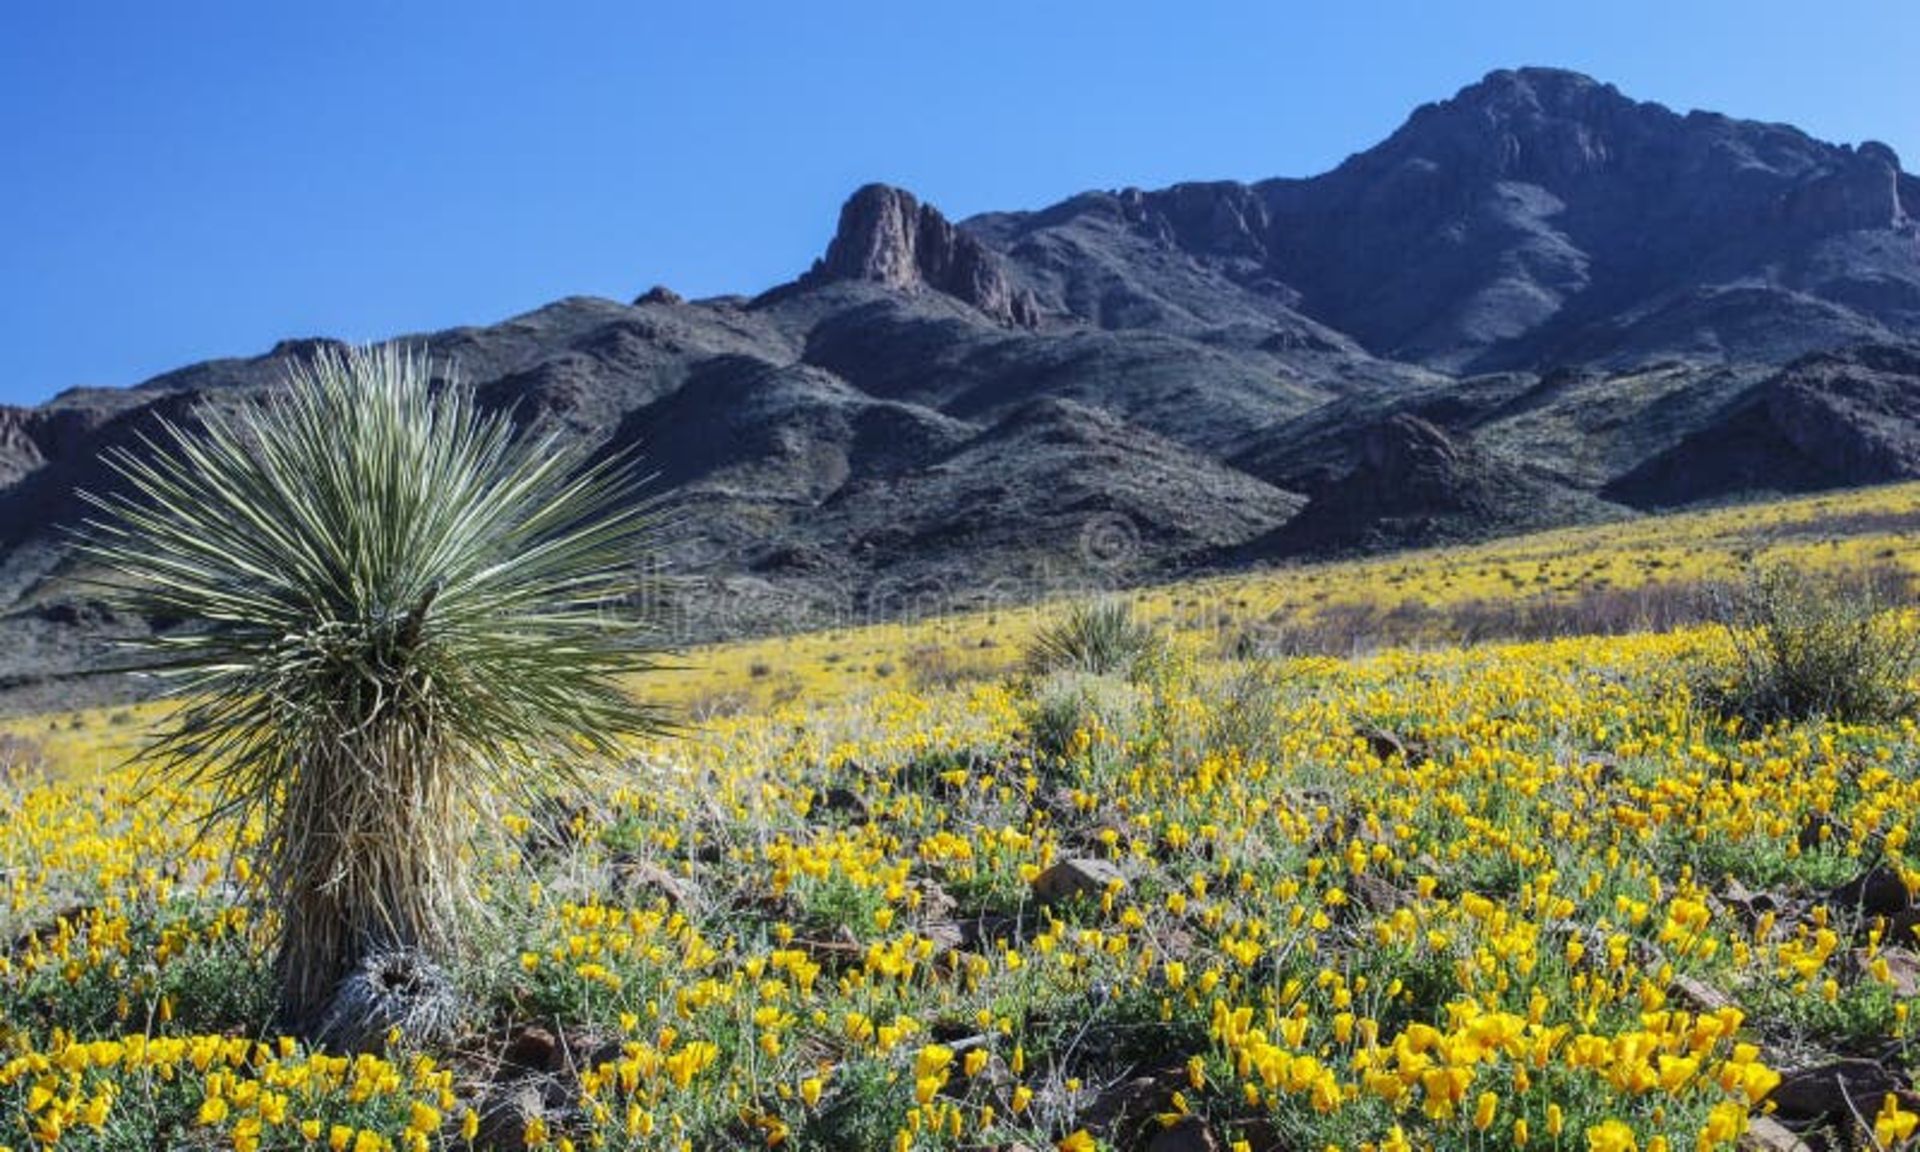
<point x="395" y="607"/>
<point x="1099" y="637"/>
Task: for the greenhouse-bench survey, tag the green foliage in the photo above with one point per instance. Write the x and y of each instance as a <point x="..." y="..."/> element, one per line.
<point x="1810" y="646"/>
<point x="211" y="980"/>
<point x="1065" y="704"/>
<point x="1861" y="1017"/>
<point x="862" y="1112"/>
<point x="834" y="903"/>
<point x="394" y="603"/>
<point x="1244" y="711"/>
<point x="217" y="985"/>
<point x="1100" y="638"/>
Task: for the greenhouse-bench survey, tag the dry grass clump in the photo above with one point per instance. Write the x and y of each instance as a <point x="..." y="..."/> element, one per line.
<point x="391" y="989"/>
<point x="1360" y="627"/>
<point x="939" y="667"/>
<point x="22" y="760"/>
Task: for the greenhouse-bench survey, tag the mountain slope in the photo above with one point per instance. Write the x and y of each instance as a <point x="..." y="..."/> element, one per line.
<point x="1828" y="420"/>
<point x="1535" y="302"/>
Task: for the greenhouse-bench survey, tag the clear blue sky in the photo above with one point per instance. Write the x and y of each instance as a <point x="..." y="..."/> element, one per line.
<point x="188" y="179"/>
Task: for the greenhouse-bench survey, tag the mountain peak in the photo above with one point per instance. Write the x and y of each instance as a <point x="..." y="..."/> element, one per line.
<point x="888" y="236"/>
<point x="1528" y="123"/>
<point x="1542" y="89"/>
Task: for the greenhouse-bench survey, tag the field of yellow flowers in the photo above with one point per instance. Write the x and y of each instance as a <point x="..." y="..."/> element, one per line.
<point x="1502" y="896"/>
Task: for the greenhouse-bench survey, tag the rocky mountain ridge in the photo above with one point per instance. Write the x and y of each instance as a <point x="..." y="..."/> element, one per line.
<point x="1538" y="301"/>
<point x="1537" y="218"/>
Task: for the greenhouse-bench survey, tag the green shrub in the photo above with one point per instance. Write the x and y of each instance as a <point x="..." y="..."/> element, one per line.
<point x="1244" y="711"/>
<point x="1066" y="703"/>
<point x="1810" y="646"/>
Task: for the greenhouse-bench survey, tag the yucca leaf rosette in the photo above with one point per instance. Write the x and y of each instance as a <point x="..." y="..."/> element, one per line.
<point x="393" y="608"/>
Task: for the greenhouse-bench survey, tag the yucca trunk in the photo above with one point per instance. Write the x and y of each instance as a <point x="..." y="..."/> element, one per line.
<point x="369" y="862"/>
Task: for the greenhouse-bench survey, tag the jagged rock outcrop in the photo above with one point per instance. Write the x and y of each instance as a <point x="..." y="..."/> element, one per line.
<point x="659" y="294"/>
<point x="306" y="349"/>
<point x="1857" y="191"/>
<point x="887" y="236"/>
<point x="1409" y="464"/>
<point x="19" y="452"/>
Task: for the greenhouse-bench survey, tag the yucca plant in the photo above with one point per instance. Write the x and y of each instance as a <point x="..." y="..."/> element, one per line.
<point x="1099" y="637"/>
<point x="395" y="608"/>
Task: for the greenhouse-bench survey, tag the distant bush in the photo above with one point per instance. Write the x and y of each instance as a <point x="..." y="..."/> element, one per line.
<point x="23" y="760"/>
<point x="1656" y="606"/>
<point x="1100" y="638"/>
<point x="717" y="705"/>
<point x="1348" y="629"/>
<point x="936" y="668"/>
<point x="1065" y="704"/>
<point x="1825" y="646"/>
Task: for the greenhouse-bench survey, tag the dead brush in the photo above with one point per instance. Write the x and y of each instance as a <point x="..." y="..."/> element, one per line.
<point x="391" y="990"/>
<point x="23" y="762"/>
